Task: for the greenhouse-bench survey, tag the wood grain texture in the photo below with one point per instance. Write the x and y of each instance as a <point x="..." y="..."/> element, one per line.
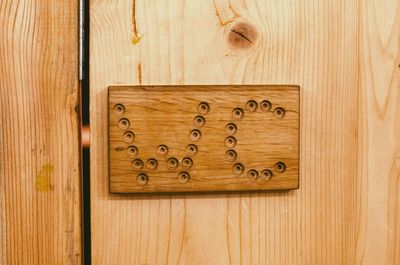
<point x="378" y="186"/>
<point x="344" y="55"/>
<point x="203" y="138"/>
<point x="39" y="133"/>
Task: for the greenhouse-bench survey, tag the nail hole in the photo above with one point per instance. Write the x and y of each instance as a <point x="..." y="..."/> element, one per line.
<point x="137" y="164"/>
<point x="230" y="142"/>
<point x="119" y="109"/>
<point x="199" y="121"/>
<point x="203" y="108"/>
<point x="133" y="150"/>
<point x="280" y="167"/>
<point x="279" y="113"/>
<point x="191" y="149"/>
<point x="142" y="179"/>
<point x="162" y="150"/>
<point x="152" y="164"/>
<point x="266" y="174"/>
<point x="230" y="128"/>
<point x="237" y="114"/>
<point x="183" y="177"/>
<point x="123" y="124"/>
<point x="195" y="135"/>
<point x="251" y="105"/>
<point x="265" y="105"/>
<point x="253" y="174"/>
<point x="172" y="163"/>
<point x="238" y="169"/>
<point x="230" y="155"/>
<point x="129" y="137"/>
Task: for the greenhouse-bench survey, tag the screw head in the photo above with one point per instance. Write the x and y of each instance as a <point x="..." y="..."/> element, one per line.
<point x="253" y="174"/>
<point x="238" y="169"/>
<point x="123" y="124"/>
<point x="195" y="135"/>
<point x="152" y="164"/>
<point x="183" y="177"/>
<point x="119" y="109"/>
<point x="162" y="150"/>
<point x="237" y="114"/>
<point x="132" y="150"/>
<point x="279" y="113"/>
<point x="230" y="141"/>
<point x="187" y="162"/>
<point x="142" y="179"/>
<point x="230" y="155"/>
<point x="266" y="174"/>
<point x="231" y="128"/>
<point x="265" y="105"/>
<point x="137" y="164"/>
<point x="203" y="108"/>
<point x="191" y="149"/>
<point x="280" y="167"/>
<point x="251" y="105"/>
<point x="199" y="121"/>
<point x="172" y="163"/>
<point x="128" y="137"/>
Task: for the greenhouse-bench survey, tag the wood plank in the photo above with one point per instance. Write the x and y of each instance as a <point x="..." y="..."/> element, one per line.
<point x="203" y="138"/>
<point x="342" y="210"/>
<point x="39" y="133"/>
<point x="378" y="189"/>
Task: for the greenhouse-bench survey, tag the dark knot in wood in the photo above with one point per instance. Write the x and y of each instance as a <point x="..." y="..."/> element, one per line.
<point x="242" y="35"/>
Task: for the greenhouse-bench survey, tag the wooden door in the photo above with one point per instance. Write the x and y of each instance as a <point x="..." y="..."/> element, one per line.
<point x="345" y="57"/>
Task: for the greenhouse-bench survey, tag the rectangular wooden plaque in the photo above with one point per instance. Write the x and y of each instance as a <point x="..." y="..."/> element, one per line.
<point x="203" y="138"/>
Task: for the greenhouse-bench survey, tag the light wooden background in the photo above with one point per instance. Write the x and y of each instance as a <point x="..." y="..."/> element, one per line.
<point x="39" y="133"/>
<point x="343" y="54"/>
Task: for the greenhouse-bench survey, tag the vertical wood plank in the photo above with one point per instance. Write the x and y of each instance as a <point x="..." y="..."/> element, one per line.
<point x="378" y="233"/>
<point x="343" y="54"/>
<point x="40" y="220"/>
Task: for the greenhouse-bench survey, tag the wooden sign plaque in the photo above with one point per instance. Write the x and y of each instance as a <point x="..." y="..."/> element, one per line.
<point x="203" y="138"/>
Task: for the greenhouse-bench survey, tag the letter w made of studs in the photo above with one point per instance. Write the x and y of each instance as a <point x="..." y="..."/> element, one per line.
<point x="203" y="138"/>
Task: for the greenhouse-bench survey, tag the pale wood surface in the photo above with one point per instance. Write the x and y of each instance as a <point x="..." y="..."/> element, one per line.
<point x="242" y="138"/>
<point x="344" y="55"/>
<point x="39" y="133"/>
<point x="378" y="185"/>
